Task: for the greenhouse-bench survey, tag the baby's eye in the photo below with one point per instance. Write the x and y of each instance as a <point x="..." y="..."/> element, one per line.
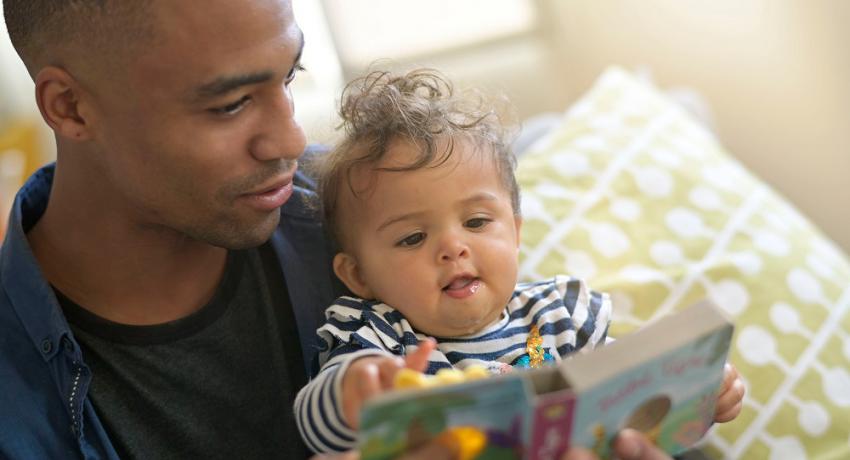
<point x="412" y="240"/>
<point x="478" y="222"/>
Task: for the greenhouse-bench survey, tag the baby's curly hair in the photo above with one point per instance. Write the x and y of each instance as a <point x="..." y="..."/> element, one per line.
<point x="419" y="107"/>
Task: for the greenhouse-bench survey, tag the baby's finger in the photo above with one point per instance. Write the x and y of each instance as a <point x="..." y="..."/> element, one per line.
<point x="730" y="414"/>
<point x="418" y="360"/>
<point x="361" y="378"/>
<point x="632" y="445"/>
<point x="387" y="369"/>
<point x="576" y="453"/>
<point x="368" y="381"/>
<point x="727" y="401"/>
<point x="729" y="375"/>
<point x="364" y="384"/>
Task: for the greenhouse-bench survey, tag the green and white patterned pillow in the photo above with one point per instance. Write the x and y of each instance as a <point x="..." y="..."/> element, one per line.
<point x="633" y="195"/>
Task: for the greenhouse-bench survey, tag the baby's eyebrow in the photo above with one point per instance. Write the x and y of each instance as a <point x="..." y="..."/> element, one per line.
<point x="477" y="197"/>
<point x="481" y="196"/>
<point x="397" y="219"/>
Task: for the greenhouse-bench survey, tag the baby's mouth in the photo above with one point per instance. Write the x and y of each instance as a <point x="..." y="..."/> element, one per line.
<point x="462" y="286"/>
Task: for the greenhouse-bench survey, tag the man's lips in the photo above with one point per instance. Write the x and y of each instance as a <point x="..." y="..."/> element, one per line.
<point x="271" y="197"/>
<point x="462" y="286"/>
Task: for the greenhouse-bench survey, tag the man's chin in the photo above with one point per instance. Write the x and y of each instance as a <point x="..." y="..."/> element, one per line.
<point x="243" y="236"/>
<point x="242" y="243"/>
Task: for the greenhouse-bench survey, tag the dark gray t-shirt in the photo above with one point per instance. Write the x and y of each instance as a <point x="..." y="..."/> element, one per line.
<point x="218" y="384"/>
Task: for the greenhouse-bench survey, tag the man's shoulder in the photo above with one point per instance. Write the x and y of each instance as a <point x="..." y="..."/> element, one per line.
<point x="312" y="153"/>
<point x="21" y="364"/>
<point x="304" y="202"/>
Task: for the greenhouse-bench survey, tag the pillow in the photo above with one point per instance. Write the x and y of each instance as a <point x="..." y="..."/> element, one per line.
<point x="630" y="193"/>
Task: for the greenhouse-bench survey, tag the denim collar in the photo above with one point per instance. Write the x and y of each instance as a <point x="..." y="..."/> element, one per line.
<point x="22" y="281"/>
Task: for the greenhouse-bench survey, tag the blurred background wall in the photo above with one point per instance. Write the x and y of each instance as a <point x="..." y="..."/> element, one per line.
<point x="775" y="73"/>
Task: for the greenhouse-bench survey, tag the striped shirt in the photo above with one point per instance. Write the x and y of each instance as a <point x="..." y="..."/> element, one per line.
<point x="568" y="315"/>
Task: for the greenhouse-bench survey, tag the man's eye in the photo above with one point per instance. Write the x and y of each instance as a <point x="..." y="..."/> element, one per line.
<point x="412" y="240"/>
<point x="292" y="73"/>
<point x="478" y="222"/>
<point x="233" y="108"/>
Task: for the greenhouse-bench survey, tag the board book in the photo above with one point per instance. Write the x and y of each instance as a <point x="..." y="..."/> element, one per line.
<point x="661" y="380"/>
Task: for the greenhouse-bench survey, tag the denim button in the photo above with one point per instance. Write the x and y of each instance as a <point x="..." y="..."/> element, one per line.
<point x="46" y="346"/>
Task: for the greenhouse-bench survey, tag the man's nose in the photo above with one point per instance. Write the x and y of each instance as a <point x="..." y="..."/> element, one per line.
<point x="280" y="136"/>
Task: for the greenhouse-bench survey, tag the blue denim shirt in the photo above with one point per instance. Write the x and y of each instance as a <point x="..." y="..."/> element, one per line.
<point x="45" y="412"/>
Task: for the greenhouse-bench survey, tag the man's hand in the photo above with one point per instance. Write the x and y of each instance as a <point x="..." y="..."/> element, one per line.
<point x="370" y="376"/>
<point x="730" y="398"/>
<point x="629" y="445"/>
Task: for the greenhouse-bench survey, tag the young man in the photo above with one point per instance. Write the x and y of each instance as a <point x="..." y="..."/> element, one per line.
<point x="150" y="305"/>
<point x="160" y="285"/>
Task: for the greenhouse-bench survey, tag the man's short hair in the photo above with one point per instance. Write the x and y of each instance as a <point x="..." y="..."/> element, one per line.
<point x="39" y="29"/>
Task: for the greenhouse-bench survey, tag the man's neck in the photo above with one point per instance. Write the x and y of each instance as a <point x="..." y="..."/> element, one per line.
<point x="121" y="271"/>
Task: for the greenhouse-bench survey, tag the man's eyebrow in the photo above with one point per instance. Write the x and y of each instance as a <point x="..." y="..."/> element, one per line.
<point x="226" y="84"/>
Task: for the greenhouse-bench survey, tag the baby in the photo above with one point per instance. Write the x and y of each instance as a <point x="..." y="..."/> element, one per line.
<point x="421" y="198"/>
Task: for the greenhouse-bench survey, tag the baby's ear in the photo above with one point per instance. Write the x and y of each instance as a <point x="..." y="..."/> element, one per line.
<point x="346" y="268"/>
<point x="518" y="227"/>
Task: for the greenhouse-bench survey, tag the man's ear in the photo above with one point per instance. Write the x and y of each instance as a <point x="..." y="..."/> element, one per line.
<point x="346" y="268"/>
<point x="58" y="95"/>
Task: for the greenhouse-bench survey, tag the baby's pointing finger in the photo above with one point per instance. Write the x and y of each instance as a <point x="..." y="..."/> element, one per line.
<point x="418" y="360"/>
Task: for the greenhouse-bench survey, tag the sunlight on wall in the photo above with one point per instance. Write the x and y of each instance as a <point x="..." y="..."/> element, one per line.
<point x="366" y="30"/>
<point x="16" y="87"/>
<point x="775" y="72"/>
<point x="315" y="91"/>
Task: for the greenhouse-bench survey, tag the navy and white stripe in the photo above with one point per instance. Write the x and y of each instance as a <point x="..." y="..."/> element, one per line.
<point x="567" y="313"/>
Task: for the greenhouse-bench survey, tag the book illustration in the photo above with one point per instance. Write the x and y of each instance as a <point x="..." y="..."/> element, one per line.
<point x="648" y="416"/>
<point x="535" y="354"/>
<point x="493" y="408"/>
<point x="661" y="380"/>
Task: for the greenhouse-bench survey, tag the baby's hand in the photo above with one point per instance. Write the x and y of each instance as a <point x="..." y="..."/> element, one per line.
<point x="731" y="395"/>
<point x="370" y="376"/>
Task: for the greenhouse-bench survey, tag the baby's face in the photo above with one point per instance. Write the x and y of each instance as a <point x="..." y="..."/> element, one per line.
<point x="439" y="244"/>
